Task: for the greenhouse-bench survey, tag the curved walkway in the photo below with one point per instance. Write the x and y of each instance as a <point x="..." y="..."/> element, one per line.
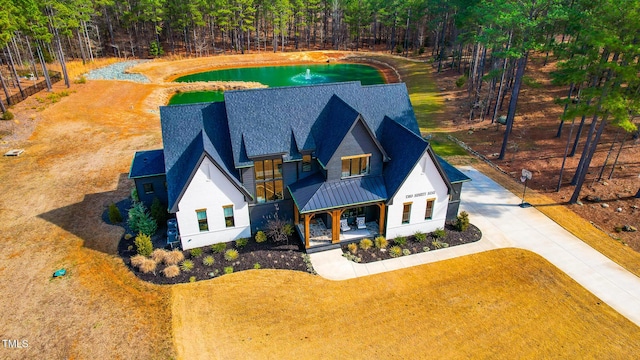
<point x="495" y="211"/>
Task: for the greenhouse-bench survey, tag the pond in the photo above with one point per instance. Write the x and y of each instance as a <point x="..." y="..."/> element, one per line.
<point x="274" y="76"/>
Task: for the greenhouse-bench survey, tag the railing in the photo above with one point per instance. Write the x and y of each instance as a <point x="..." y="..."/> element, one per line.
<point x="28" y="91"/>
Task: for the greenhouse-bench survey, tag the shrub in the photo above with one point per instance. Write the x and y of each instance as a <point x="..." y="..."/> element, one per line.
<point x="7" y="115"/>
<point x="406" y="252"/>
<point x="242" y="242"/>
<point x="158" y="255"/>
<point x="155" y="49"/>
<point x="461" y="81"/>
<point x="127" y="236"/>
<point x="400" y="241"/>
<point x="353" y="248"/>
<point x="173" y="257"/>
<point x="143" y="243"/>
<point x="228" y="269"/>
<point x="208" y="260"/>
<point x="159" y="211"/>
<point x="148" y="225"/>
<point x="462" y="223"/>
<point x="140" y="220"/>
<point x="380" y="242"/>
<point x="114" y="214"/>
<point x="420" y="236"/>
<point x="231" y="254"/>
<point x="426" y="248"/>
<point x="134" y="195"/>
<point x="80" y="80"/>
<point x="352" y="257"/>
<point x="257" y="266"/>
<point x="186" y="265"/>
<point x="219" y="247"/>
<point x="137" y="260"/>
<point x="192" y="279"/>
<point x="261" y="237"/>
<point x="395" y="251"/>
<point x="421" y="50"/>
<point x="278" y="229"/>
<point x="171" y="271"/>
<point x="148" y="266"/>
<point x="366" y="244"/>
<point x="439" y="233"/>
<point x="439" y="244"/>
<point x="195" y="252"/>
<point x="399" y="49"/>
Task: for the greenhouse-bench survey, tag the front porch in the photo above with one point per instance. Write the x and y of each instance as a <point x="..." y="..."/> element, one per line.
<point x="320" y="235"/>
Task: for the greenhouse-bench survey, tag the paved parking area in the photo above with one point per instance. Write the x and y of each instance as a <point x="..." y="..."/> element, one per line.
<point x="495" y="211"/>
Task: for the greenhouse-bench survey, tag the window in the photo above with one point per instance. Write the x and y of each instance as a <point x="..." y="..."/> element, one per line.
<point x="355" y="165"/>
<point x="202" y="219"/>
<point x="269" y="186"/>
<point x="228" y="216"/>
<point x="306" y="163"/>
<point x="148" y="188"/>
<point x="428" y="214"/>
<point x="406" y="213"/>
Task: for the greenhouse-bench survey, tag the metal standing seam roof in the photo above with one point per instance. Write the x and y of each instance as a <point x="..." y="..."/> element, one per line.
<point x="314" y="194"/>
<point x="147" y="163"/>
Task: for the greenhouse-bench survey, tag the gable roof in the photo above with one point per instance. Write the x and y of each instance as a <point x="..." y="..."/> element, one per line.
<point x="454" y="175"/>
<point x="189" y="133"/>
<point x="147" y="163"/>
<point x="261" y="120"/>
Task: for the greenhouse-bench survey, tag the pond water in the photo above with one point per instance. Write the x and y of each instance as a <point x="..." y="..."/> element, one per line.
<point x="274" y="76"/>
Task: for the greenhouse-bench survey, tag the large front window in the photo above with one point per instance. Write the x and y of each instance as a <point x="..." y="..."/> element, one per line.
<point x="355" y="165"/>
<point x="406" y="213"/>
<point x="269" y="186"/>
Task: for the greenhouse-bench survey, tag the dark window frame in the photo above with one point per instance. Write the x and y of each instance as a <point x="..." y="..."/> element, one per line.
<point x="269" y="179"/>
<point x="148" y="188"/>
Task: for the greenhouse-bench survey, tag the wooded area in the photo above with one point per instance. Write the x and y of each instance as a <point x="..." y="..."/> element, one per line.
<point x="488" y="42"/>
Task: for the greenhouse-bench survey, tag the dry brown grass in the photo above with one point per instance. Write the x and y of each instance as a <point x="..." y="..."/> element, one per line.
<point x="501" y="304"/>
<point x="173" y="257"/>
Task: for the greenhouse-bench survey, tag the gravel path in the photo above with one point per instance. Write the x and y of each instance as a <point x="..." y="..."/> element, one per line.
<point x="117" y="72"/>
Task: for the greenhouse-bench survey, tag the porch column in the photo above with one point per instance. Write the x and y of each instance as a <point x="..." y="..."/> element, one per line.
<point x="335" y="226"/>
<point x="381" y="218"/>
<point x="296" y="214"/>
<point x="307" y="220"/>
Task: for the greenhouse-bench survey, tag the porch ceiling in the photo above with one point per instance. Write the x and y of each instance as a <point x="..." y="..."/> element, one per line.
<point x="313" y="194"/>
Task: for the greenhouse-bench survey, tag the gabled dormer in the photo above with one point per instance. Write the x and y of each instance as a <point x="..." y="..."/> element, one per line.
<point x="347" y="147"/>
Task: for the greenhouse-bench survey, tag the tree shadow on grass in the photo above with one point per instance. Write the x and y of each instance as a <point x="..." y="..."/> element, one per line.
<point x="89" y="218"/>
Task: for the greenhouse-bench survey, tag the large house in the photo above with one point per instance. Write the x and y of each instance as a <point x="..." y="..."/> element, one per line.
<point x="342" y="161"/>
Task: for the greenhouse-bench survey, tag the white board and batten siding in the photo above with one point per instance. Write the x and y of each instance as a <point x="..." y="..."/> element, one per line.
<point x="423" y="183"/>
<point x="210" y="189"/>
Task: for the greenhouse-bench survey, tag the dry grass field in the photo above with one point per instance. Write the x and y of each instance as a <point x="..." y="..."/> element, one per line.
<point x="503" y="304"/>
<point x="78" y="152"/>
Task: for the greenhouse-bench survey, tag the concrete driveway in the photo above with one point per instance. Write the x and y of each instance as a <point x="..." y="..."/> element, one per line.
<point x="495" y="211"/>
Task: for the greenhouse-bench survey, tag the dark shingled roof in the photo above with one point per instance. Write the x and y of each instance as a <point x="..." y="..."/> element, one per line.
<point x="313" y="193"/>
<point x="261" y="120"/>
<point x="190" y="132"/>
<point x="405" y="149"/>
<point x="289" y="121"/>
<point x="454" y="175"/>
<point x="147" y="163"/>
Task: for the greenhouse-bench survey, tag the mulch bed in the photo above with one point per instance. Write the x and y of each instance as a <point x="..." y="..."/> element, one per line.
<point x="453" y="237"/>
<point x="268" y="254"/>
